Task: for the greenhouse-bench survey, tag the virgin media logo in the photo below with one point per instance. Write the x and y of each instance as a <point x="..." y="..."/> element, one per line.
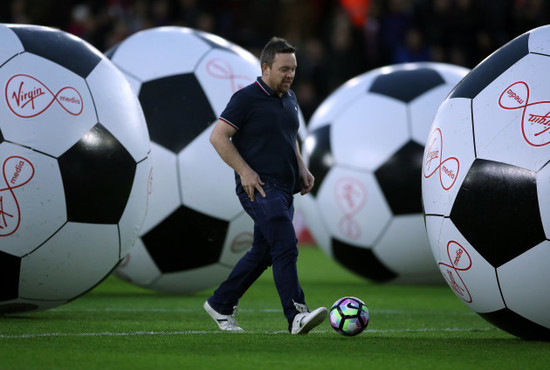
<point x="351" y="197"/>
<point x="459" y="261"/>
<point x="435" y="163"/>
<point x="16" y="172"/>
<point x="535" y="116"/>
<point x="221" y="69"/>
<point x="27" y="97"/>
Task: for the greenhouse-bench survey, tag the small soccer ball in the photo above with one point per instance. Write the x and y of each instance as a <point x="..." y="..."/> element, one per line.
<point x="349" y="316"/>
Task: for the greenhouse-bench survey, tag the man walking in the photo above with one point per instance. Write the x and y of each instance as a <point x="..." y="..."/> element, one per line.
<point x="256" y="135"/>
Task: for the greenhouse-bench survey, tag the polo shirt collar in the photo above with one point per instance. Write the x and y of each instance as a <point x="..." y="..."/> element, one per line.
<point x="266" y="88"/>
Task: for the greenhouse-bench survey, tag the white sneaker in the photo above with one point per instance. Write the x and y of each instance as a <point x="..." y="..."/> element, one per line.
<point x="225" y="322"/>
<point x="304" y="321"/>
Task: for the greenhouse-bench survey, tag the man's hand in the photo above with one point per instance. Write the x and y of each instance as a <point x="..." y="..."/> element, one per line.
<point x="307" y="181"/>
<point x="251" y="182"/>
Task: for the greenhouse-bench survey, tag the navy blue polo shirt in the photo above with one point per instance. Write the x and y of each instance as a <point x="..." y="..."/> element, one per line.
<point x="267" y="128"/>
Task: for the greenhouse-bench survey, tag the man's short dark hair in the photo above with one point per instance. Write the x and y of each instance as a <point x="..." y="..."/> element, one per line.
<point x="274" y="46"/>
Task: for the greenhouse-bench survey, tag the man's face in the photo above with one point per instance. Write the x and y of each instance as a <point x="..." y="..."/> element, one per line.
<point x="280" y="75"/>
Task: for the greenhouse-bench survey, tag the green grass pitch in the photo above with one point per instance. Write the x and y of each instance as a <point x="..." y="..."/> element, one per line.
<point x="121" y="326"/>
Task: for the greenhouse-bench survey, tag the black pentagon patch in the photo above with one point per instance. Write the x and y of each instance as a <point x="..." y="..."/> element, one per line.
<point x="186" y="240"/>
<point x="497" y="210"/>
<point x="492" y="67"/>
<point x="320" y="158"/>
<point x="59" y="47"/>
<point x="10" y="267"/>
<point x="517" y="325"/>
<point x="1" y="137"/>
<point x="362" y="261"/>
<point x="176" y="110"/>
<point x="98" y="175"/>
<point x="406" y="85"/>
<point x="400" y="179"/>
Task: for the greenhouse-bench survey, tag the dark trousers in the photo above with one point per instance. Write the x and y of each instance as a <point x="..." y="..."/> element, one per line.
<point x="274" y="244"/>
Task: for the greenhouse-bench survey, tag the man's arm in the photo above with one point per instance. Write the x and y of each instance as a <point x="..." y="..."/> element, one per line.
<point x="220" y="138"/>
<point x="306" y="177"/>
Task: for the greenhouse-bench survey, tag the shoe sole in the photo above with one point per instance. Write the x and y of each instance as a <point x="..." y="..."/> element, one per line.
<point x="315" y="318"/>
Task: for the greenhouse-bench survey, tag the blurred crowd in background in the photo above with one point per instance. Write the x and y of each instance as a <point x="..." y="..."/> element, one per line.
<point x="336" y="40"/>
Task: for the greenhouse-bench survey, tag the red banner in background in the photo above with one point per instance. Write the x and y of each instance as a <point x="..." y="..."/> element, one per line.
<point x="357" y="11"/>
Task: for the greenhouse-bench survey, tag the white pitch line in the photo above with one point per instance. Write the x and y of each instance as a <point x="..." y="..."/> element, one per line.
<point x="244" y="310"/>
<point x="198" y="332"/>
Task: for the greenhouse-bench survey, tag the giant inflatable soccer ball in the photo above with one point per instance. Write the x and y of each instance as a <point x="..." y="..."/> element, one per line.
<point x="195" y="230"/>
<point x="74" y="160"/>
<point x="364" y="147"/>
<point x="486" y="187"/>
